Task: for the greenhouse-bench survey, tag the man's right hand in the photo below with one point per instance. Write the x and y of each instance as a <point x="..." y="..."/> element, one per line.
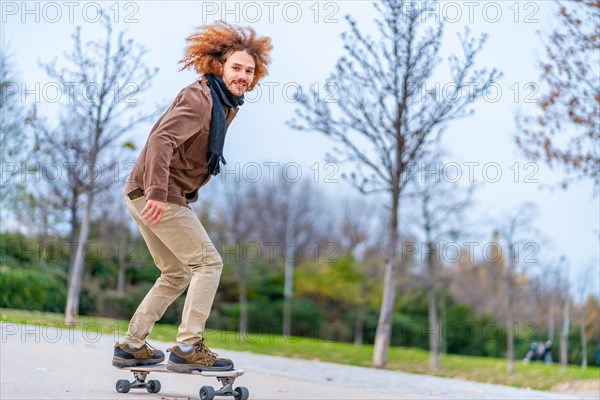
<point x="153" y="211"/>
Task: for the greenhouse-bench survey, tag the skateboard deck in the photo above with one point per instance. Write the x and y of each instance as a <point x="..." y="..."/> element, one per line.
<point x="226" y="378"/>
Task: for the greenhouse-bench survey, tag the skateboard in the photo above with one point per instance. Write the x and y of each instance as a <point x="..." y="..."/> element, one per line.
<point x="226" y="378"/>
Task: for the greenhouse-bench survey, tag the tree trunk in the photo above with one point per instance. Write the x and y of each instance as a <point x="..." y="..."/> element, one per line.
<point x="72" y="309"/>
<point x="584" y="360"/>
<point x="434" y="360"/>
<point x="359" y="325"/>
<point x="564" y="336"/>
<point x="73" y="235"/>
<point x="563" y="351"/>
<point x="551" y="320"/>
<point x="243" y="329"/>
<point x="287" y="299"/>
<point x="443" y="345"/>
<point x="510" y="352"/>
<point x="288" y="279"/>
<point x="510" y="337"/>
<point x="45" y="224"/>
<point x="121" y="278"/>
<point x="122" y="265"/>
<point x="384" y="324"/>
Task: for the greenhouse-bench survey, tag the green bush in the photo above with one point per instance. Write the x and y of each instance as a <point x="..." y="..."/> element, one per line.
<point x="15" y="249"/>
<point x="32" y="290"/>
<point x="308" y="319"/>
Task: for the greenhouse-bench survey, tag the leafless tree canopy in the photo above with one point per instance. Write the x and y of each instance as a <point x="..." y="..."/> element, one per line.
<point x="566" y="129"/>
<point x="377" y="108"/>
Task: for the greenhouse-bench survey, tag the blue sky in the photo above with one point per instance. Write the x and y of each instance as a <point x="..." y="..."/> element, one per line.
<point x="307" y="43"/>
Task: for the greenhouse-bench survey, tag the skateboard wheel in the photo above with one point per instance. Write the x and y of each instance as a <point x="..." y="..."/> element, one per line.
<point x="123" y="386"/>
<point x="241" y="393"/>
<point x="153" y="386"/>
<point x="207" y="393"/>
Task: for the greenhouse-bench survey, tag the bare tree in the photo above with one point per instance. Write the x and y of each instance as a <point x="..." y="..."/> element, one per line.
<point x="12" y="124"/>
<point x="285" y="216"/>
<point x="60" y="150"/>
<point x="383" y="122"/>
<point x="566" y="129"/>
<point x="553" y="282"/>
<point x="271" y="202"/>
<point x="239" y="219"/>
<point x="592" y="312"/>
<point x="442" y="206"/>
<point x="514" y="231"/>
<point x="564" y="334"/>
<point x="299" y="218"/>
<point x="353" y="232"/>
<point x="582" y="288"/>
<point x="112" y="227"/>
<point x="108" y="74"/>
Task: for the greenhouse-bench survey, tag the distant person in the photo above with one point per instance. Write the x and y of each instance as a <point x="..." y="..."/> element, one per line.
<point x="547" y="356"/>
<point x="184" y="149"/>
<point x="531" y="353"/>
<point x="540" y="351"/>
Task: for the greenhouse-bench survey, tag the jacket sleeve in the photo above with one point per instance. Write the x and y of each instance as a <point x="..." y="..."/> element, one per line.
<point x="190" y="111"/>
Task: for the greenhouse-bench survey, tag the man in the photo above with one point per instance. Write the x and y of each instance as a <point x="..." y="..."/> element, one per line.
<point x="184" y="148"/>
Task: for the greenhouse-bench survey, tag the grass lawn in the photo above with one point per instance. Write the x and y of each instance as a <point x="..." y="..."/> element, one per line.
<point x="482" y="369"/>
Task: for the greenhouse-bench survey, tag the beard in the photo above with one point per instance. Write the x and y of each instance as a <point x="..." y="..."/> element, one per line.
<point x="237" y="88"/>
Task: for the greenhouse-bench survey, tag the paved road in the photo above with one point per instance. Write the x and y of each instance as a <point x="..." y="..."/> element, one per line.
<point x="46" y="363"/>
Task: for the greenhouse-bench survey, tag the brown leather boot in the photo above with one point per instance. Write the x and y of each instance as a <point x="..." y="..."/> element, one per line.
<point x="128" y="356"/>
<point x="199" y="358"/>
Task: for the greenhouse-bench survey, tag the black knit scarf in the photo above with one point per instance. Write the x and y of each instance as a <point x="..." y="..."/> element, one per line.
<point x="216" y="138"/>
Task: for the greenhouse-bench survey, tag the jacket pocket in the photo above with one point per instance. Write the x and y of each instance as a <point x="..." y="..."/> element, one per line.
<point x="197" y="150"/>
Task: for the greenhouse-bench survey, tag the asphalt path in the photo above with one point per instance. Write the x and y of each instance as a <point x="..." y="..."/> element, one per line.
<point x="38" y="362"/>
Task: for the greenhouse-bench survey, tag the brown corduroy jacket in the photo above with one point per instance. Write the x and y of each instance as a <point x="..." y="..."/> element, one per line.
<point x="172" y="165"/>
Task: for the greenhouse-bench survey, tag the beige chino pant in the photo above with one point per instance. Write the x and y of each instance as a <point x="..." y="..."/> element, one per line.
<point x="185" y="255"/>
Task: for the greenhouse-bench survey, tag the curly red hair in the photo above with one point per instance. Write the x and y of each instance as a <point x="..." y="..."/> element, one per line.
<point x="209" y="47"/>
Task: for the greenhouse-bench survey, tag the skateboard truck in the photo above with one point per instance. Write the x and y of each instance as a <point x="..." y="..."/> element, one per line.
<point x="152" y="386"/>
<point x="208" y="392"/>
